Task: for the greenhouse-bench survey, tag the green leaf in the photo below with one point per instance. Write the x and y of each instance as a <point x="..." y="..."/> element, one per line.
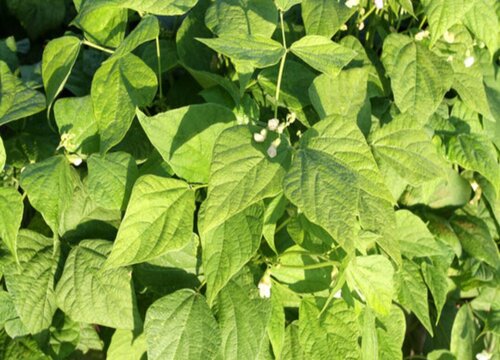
<point x="343" y="94"/>
<point x="436" y="277"/>
<point x="369" y="343"/>
<point x="32" y="288"/>
<point x="414" y="238"/>
<point x="325" y="17"/>
<point x="372" y="277"/>
<point x="49" y="184"/>
<point x="241" y="174"/>
<point x="412" y="292"/>
<point x="443" y="14"/>
<point x="256" y="51"/>
<point x="419" y="77"/>
<point x="118" y="86"/>
<point x="17" y="100"/>
<point x="292" y="349"/>
<point x="89" y="294"/>
<point x="405" y="147"/>
<point x="3" y="156"/>
<point x="464" y="333"/>
<point x="391" y="334"/>
<point x="333" y="335"/>
<point x="322" y="54"/>
<point x="252" y="17"/>
<point x="159" y="218"/>
<point x="126" y="345"/>
<point x="476" y="239"/>
<point x="12" y="209"/>
<point x="243" y="318"/>
<point x="229" y="246"/>
<point x="75" y="118"/>
<point x="476" y="152"/>
<point x="185" y="137"/>
<point x="335" y="181"/>
<point x="481" y="21"/>
<point x="110" y="179"/>
<point x="193" y="332"/>
<point x="285" y="5"/>
<point x="276" y="327"/>
<point x="157" y="7"/>
<point x="58" y="59"/>
<point x="148" y="29"/>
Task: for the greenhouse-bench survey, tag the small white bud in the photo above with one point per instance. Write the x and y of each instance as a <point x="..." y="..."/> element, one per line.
<point x="281" y="128"/>
<point x="361" y="26"/>
<point x="379" y="4"/>
<point x="338" y="294"/>
<point x="290" y="118"/>
<point x="272" y="151"/>
<point x="474" y="185"/>
<point x="484" y="355"/>
<point x="276" y="142"/>
<point x="362" y="11"/>
<point x="260" y="137"/>
<point x="75" y="159"/>
<point x="273" y="124"/>
<point x="265" y="287"/>
<point x="469" y="61"/>
<point x="449" y="37"/>
<point x="421" y="35"/>
<point x="481" y="45"/>
<point x="351" y="3"/>
<point x="343" y="27"/>
<point x="450" y="58"/>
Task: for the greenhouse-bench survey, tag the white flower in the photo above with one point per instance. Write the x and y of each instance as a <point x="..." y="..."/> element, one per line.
<point x="260" y="137"/>
<point x="449" y="37"/>
<point x="272" y="151"/>
<point x="361" y="26"/>
<point x="281" y="128"/>
<point x="421" y="35"/>
<point x="379" y="4"/>
<point x="273" y="124"/>
<point x="469" y="61"/>
<point x="484" y="355"/>
<point x="338" y="294"/>
<point x="265" y="286"/>
<point x="75" y="159"/>
<point x="351" y="3"/>
<point x="474" y="185"/>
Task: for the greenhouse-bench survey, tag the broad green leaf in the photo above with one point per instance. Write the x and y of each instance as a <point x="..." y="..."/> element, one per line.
<point x="110" y="179"/>
<point x="369" y="342"/>
<point x="407" y="148"/>
<point x="32" y="288"/>
<point x="58" y="59"/>
<point x="157" y="7"/>
<point x="243" y="318"/>
<point x="89" y="294"/>
<point x="391" y="334"/>
<point x="103" y="26"/>
<point x="443" y="14"/>
<point x="3" y="156"/>
<point x="325" y="17"/>
<point x="16" y="100"/>
<point x="412" y="292"/>
<point x="285" y="5"/>
<point x="343" y="94"/>
<point x="118" y="86"/>
<point x="159" y="218"/>
<point x="185" y="137"/>
<point x="292" y="349"/>
<point x="335" y="181"/>
<point x="372" y="277"/>
<point x="436" y="277"/>
<point x="415" y="239"/>
<point x="254" y="50"/>
<point x="7" y="308"/>
<point x="464" y="334"/>
<point x="476" y="152"/>
<point x="333" y="335"/>
<point x="252" y="17"/>
<point x="241" y="174"/>
<point x="481" y="21"/>
<point x="49" y="184"/>
<point x="77" y="124"/>
<point x="126" y="345"/>
<point x="11" y="208"/>
<point x="419" y="77"/>
<point x="229" y="246"/>
<point x="322" y="54"/>
<point x="476" y="239"/>
<point x="277" y="322"/>
<point x="148" y="29"/>
<point x="193" y="332"/>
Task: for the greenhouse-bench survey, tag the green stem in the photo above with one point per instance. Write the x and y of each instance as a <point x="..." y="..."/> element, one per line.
<point x="158" y="54"/>
<point x="282" y="225"/>
<point x="98" y="47"/>
<point x="368" y="13"/>
<point x="201" y="286"/>
<point x="282" y="67"/>
<point x="310" y="266"/>
<point x="422" y="23"/>
<point x="197" y="186"/>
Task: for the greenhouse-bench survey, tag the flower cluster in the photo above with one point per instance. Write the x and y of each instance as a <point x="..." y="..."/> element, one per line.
<point x="276" y="126"/>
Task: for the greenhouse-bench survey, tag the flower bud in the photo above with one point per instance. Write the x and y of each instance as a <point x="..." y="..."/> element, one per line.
<point x="379" y="4"/>
<point x="449" y="37"/>
<point x="260" y="137"/>
<point x="351" y="3"/>
<point x="273" y="124"/>
<point x="265" y="286"/>
<point x="469" y="61"/>
<point x="272" y="151"/>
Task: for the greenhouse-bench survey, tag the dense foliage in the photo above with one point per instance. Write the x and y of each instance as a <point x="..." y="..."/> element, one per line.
<point x="249" y="179"/>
